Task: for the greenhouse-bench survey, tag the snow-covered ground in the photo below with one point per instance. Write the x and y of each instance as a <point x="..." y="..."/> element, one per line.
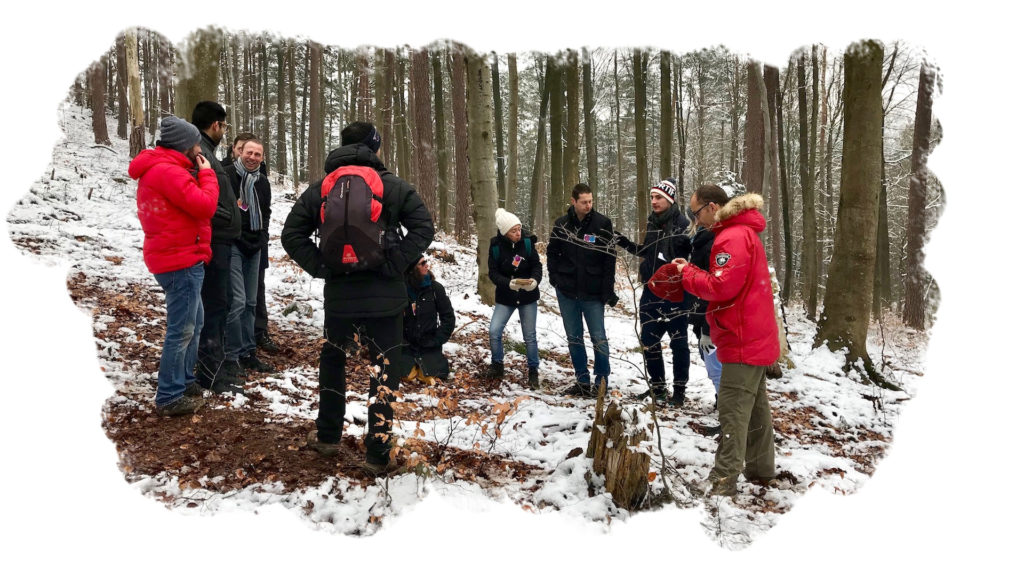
<point x="831" y="429"/>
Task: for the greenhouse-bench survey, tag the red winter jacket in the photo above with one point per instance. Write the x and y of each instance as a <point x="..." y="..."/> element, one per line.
<point x="738" y="288"/>
<point x="174" y="210"/>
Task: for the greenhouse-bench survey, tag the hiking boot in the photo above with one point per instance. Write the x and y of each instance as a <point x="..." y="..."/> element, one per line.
<point x="181" y="406"/>
<point x="596" y="388"/>
<point x="658" y="390"/>
<point x="495" y="371"/>
<point x="533" y="379"/>
<point x="711" y="431"/>
<point x="580" y="389"/>
<point x="772" y="482"/>
<point x="193" y="389"/>
<point x="722" y="487"/>
<point x="267" y="344"/>
<point x="231" y="370"/>
<point x="678" y="394"/>
<point x="225" y="386"/>
<point x="374" y="470"/>
<point x="323" y="448"/>
<point x="252" y="362"/>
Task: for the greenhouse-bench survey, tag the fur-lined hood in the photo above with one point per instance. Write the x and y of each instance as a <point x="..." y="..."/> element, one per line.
<point x="739" y="204"/>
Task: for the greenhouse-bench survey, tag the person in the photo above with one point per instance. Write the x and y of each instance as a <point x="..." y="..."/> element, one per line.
<point x="252" y="192"/>
<point x="664" y="240"/>
<point x="741" y="316"/>
<point x="174" y="209"/>
<point x="260" y="329"/>
<point x="581" y="266"/>
<point x="210" y="118"/>
<point x="362" y="307"/>
<point x="514" y="266"/>
<point x="428" y="323"/>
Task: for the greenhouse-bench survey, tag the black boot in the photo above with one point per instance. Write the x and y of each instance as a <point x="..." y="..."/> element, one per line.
<point x="678" y="394"/>
<point x="533" y="379"/>
<point x="252" y="362"/>
<point x="658" y="389"/>
<point x="495" y="371"/>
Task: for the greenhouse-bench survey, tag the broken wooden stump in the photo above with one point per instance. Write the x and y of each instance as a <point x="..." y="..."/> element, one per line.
<point x="614" y="446"/>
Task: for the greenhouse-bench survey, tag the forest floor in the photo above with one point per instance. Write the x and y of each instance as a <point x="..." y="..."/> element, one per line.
<point x="466" y="438"/>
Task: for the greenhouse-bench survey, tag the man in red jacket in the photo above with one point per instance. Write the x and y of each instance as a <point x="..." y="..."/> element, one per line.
<point x="175" y="207"/>
<point x="741" y="315"/>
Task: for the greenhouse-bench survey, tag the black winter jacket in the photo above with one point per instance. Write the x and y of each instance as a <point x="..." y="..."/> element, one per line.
<point x="371" y="293"/>
<point x="504" y="268"/>
<point x="666" y="235"/>
<point x="226" y="223"/>
<point x="428" y="323"/>
<point x="701" y="258"/>
<point x="581" y="257"/>
<point x="252" y="241"/>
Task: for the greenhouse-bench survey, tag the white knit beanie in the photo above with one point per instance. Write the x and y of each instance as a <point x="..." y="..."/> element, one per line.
<point x="505" y="220"/>
<point x="666" y="188"/>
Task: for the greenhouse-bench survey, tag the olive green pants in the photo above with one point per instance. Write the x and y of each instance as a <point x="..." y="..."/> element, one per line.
<point x="747" y="441"/>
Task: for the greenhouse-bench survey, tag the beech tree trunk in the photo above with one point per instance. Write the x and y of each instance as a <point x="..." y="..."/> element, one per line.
<point x="844" y="322"/>
<point x="917" y="279"/>
<point x="137" y="135"/>
<point x="481" y="166"/>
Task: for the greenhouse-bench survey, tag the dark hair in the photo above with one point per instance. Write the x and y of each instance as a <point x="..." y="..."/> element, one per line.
<point x="581" y="188"/>
<point x="711" y="193"/>
<point x="356" y="132"/>
<point x="254" y="141"/>
<point x="206" y="113"/>
<point x="247" y="136"/>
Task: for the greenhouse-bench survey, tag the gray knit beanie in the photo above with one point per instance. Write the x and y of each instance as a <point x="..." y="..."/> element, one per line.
<point x="177" y="134"/>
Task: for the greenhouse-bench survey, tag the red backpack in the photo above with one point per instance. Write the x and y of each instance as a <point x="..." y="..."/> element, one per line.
<point x="351" y="231"/>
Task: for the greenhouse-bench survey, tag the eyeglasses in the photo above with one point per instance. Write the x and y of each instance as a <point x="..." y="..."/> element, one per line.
<point x="225" y="125"/>
<point x="701" y="208"/>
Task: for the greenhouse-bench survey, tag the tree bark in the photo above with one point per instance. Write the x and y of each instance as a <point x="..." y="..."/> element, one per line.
<point x="539" y="221"/>
<point x="197" y="71"/>
<point x="787" y="227"/>
<point x="589" y="123"/>
<point x="137" y="136"/>
<point x="571" y="156"/>
<point x="556" y="195"/>
<point x="481" y="166"/>
<point x="847" y="310"/>
<point x="441" y="138"/>
<point x="315" y="162"/>
<point x="460" y="120"/>
<point x="122" y="87"/>
<point x="771" y="81"/>
<point x="426" y="159"/>
<point x="614" y="447"/>
<point x="754" y="134"/>
<point x="640" y="121"/>
<point x="281" y="158"/>
<point x="665" y="139"/>
<point x="499" y="135"/>
<point x="915" y="313"/>
<point x="809" y="264"/>
<point x="512" y="179"/>
<point x="97" y="101"/>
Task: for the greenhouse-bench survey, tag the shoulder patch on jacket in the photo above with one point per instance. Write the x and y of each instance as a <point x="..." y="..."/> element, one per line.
<point x="722" y="258"/>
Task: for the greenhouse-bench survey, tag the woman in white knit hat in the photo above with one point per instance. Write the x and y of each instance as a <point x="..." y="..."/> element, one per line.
<point x="514" y="267"/>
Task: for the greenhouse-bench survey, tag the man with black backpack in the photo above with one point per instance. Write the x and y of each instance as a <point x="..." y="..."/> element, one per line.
<point x="358" y="210"/>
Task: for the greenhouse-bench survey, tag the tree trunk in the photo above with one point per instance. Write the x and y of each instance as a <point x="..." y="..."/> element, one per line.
<point x="556" y="195"/>
<point x="771" y="81"/>
<point x="571" y="157"/>
<point x="882" y="293"/>
<point x="481" y="166"/>
<point x="460" y="121"/>
<point x="512" y="178"/>
<point x="754" y="135"/>
<point x="539" y="221"/>
<point x="122" y="87"/>
<point x="809" y="264"/>
<point x="734" y="145"/>
<point x="441" y="138"/>
<point x="402" y="121"/>
<point x="620" y="183"/>
<point x="281" y="162"/>
<point x="640" y="121"/>
<point x="498" y="133"/>
<point x="426" y="160"/>
<point x="915" y="313"/>
<point x="388" y="132"/>
<point x="844" y="322"/>
<point x="315" y="163"/>
<point x="294" y="114"/>
<point x="137" y="136"/>
<point x="197" y="71"/>
<point x="665" y="139"/>
<point x="787" y="228"/>
<point x="589" y="123"/>
<point x="97" y="101"/>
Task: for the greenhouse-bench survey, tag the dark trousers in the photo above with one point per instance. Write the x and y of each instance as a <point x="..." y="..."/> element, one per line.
<point x="260" y="328"/>
<point x="383" y="338"/>
<point x="657" y="318"/>
<point x="216" y="295"/>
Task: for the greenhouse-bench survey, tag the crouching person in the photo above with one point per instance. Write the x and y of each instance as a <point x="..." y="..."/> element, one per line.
<point x="429" y="322"/>
<point x="364" y="290"/>
<point x="514" y="267"/>
<point x="174" y="209"/>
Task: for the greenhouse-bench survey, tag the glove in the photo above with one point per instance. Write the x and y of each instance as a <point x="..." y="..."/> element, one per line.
<point x="531" y="286"/>
<point x="512" y="285"/>
<point x="705" y="344"/>
<point x="620" y="240"/>
<point x="612" y="301"/>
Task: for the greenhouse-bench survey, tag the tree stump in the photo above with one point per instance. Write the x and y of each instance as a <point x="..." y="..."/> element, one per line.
<point x="614" y="446"/>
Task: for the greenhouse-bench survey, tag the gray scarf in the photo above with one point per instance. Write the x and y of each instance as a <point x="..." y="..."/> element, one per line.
<point x="249" y="201"/>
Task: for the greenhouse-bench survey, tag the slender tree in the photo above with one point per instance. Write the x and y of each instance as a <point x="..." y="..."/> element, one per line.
<point x="539" y="220"/>
<point x="137" y="135"/>
<point x="197" y="71"/>
<point x="665" y="139"/>
<point x="512" y="183"/>
<point x="571" y="155"/>
<point x="589" y="122"/>
<point x="122" y="87"/>
<point x="460" y="121"/>
<point x="917" y="279"/>
<point x="640" y="122"/>
<point x="809" y="264"/>
<point x="97" y="101"/>
<point x="315" y="162"/>
<point x="499" y="135"/>
<point x="441" y="138"/>
<point x="556" y="194"/>
<point x="426" y="159"/>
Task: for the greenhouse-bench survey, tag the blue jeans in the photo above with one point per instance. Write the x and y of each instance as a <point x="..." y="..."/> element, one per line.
<point x="528" y="319"/>
<point x="245" y="279"/>
<point x="574" y="312"/>
<point x="184" y="323"/>
<point x="714" y="367"/>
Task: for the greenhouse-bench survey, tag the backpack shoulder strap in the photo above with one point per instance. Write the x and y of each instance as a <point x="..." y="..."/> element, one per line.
<point x="494" y="252"/>
<point x="529" y="246"/>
